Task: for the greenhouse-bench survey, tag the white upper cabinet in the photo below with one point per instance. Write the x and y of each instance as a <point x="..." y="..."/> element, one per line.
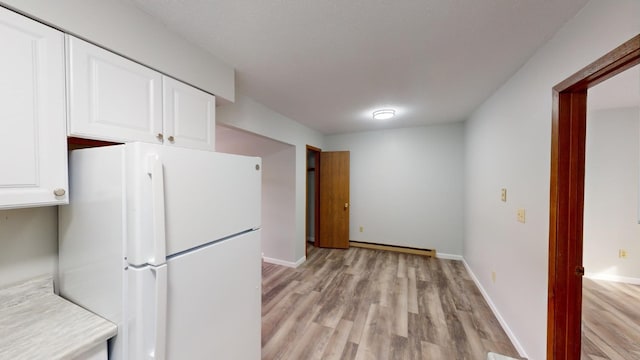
<point x="189" y="115"/>
<point x="110" y="97"/>
<point x="115" y="99"/>
<point x="32" y="114"/>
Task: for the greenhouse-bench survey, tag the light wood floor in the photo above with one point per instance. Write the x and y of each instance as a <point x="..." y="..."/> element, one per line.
<point x="372" y="304"/>
<point x="610" y="320"/>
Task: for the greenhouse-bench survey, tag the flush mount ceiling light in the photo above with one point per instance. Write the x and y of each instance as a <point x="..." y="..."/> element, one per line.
<point x="384" y="114"/>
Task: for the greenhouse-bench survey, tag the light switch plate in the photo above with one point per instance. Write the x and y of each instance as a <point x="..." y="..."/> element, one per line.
<point x="521" y="216"/>
<point x="503" y="194"/>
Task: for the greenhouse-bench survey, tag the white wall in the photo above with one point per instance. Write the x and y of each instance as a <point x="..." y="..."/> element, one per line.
<point x="123" y="28"/>
<point x="278" y="189"/>
<point x="508" y="145"/>
<point x="278" y="211"/>
<point x="249" y="115"/>
<point x="406" y="186"/>
<point x="28" y="244"/>
<point x="611" y="194"/>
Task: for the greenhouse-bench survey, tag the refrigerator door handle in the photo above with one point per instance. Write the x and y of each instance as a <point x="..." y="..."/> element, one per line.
<point x="158" y="351"/>
<point x="157" y="198"/>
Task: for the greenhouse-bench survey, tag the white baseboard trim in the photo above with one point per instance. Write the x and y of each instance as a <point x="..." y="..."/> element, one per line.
<point x="311" y="238"/>
<point x="494" y="309"/>
<point x="616" y="278"/>
<point x="285" y="263"/>
<point x="448" y="256"/>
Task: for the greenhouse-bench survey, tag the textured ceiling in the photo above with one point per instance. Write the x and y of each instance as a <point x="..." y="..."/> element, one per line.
<point x="328" y="64"/>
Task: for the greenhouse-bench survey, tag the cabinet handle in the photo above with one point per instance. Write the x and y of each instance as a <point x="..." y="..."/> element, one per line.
<point x="171" y="138"/>
<point x="159" y="136"/>
<point x="59" y="192"/>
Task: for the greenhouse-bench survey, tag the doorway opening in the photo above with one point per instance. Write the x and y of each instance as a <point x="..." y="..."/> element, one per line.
<point x="567" y="198"/>
<point x="313" y="197"/>
<point x="611" y="284"/>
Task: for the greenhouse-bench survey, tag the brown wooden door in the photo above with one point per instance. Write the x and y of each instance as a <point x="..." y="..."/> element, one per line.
<point x="334" y="200"/>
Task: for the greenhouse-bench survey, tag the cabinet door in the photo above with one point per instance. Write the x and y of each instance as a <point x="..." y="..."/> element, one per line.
<point x="110" y="97"/>
<point x="32" y="113"/>
<point x="189" y="116"/>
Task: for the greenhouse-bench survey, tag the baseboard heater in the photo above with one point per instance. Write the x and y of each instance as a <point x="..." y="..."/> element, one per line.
<point x="400" y="249"/>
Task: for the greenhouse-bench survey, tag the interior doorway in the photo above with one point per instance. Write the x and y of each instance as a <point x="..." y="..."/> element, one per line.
<point x="567" y="198"/>
<point x="328" y="207"/>
<point x="313" y="197"/>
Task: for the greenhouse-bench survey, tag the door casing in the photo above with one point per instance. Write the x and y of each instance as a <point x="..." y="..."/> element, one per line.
<point x="569" y="117"/>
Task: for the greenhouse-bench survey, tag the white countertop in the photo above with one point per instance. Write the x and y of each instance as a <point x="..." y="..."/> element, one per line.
<point x="37" y="324"/>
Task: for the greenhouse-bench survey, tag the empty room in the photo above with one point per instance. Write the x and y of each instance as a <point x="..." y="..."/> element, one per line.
<point x="412" y="179"/>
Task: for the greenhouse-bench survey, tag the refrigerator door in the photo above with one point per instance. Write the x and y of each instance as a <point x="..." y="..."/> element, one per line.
<point x="214" y="301"/>
<point x="145" y="335"/>
<point x="207" y="196"/>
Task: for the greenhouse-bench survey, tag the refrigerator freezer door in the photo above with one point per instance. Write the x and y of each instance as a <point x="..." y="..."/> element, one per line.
<point x="214" y="301"/>
<point x="207" y="196"/>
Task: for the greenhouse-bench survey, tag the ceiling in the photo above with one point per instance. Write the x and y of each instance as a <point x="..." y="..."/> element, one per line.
<point x="328" y="63"/>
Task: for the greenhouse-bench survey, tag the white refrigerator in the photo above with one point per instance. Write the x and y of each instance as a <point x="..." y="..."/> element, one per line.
<point x="165" y="242"/>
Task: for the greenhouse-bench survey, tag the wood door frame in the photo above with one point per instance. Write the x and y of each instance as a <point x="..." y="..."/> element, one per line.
<point x="316" y="212"/>
<point x="569" y="117"/>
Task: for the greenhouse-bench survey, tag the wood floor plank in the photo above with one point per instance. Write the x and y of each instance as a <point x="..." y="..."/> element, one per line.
<point x="311" y="344"/>
<point x="610" y="320"/>
<point x="365" y="351"/>
<point x="400" y="307"/>
<point x="430" y="305"/>
<point x="338" y="341"/>
<point x="276" y="294"/>
<point x="279" y="314"/>
<point x="412" y="291"/>
<point x="476" y="347"/>
<point x="372" y="304"/>
<point x="350" y="351"/>
<point x="334" y="297"/>
<point x="433" y="351"/>
<point x="292" y="328"/>
<point x="399" y="348"/>
<point x="402" y="266"/>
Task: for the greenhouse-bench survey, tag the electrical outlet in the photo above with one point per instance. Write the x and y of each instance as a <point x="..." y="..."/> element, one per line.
<point x="622" y="254"/>
<point x="521" y="216"/>
<point x="493" y="277"/>
<point x="361" y="228"/>
<point x="503" y="194"/>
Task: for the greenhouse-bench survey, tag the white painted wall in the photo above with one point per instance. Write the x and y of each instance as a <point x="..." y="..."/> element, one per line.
<point x="508" y="145"/>
<point x="611" y="193"/>
<point x="407" y="186"/>
<point x="249" y="115"/>
<point x="124" y="29"/>
<point x="278" y="189"/>
<point x="28" y="244"/>
<point x="278" y="211"/>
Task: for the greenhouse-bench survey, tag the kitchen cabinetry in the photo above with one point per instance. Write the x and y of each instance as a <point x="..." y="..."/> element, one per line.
<point x="189" y="115"/>
<point x="32" y="114"/>
<point x="115" y="99"/>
